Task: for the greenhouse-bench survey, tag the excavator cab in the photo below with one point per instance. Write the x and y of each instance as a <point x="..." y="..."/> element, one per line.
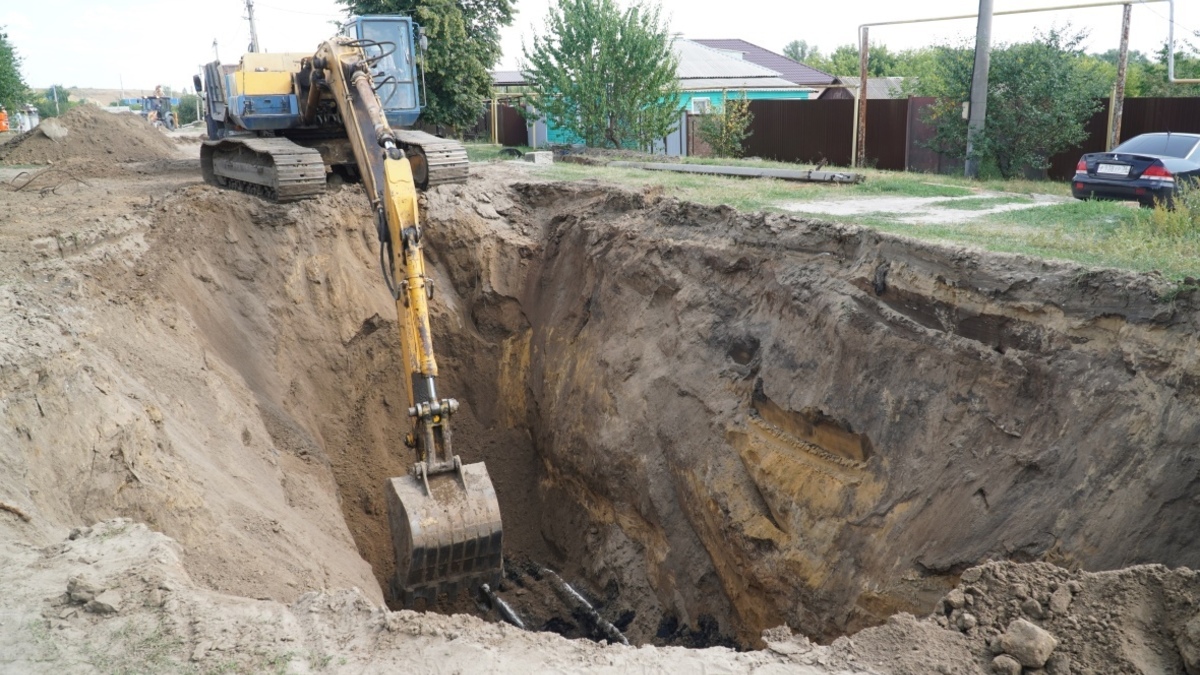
<point x="390" y="44"/>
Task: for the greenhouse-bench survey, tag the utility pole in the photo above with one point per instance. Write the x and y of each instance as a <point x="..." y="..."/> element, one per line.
<point x="1119" y="95"/>
<point x="979" y="86"/>
<point x="54" y="93"/>
<point x="860" y="153"/>
<point x="253" y="30"/>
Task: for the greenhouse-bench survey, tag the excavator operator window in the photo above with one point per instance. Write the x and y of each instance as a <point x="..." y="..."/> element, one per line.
<point x="393" y="71"/>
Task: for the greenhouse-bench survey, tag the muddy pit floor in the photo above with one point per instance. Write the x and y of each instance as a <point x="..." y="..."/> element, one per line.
<point x="710" y="424"/>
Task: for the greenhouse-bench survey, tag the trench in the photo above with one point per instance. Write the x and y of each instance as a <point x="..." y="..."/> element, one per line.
<point x="711" y="423"/>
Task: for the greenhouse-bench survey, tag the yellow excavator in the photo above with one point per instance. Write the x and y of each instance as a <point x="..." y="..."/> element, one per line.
<point x="278" y="124"/>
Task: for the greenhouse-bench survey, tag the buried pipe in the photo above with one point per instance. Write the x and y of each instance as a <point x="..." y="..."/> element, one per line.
<point x="570" y="595"/>
<point x="502" y="607"/>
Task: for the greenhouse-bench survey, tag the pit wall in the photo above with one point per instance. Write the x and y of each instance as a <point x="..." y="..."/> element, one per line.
<point x="168" y="375"/>
<point x="771" y="420"/>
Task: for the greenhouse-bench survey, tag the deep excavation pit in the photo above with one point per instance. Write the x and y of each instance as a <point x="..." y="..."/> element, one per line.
<point x="710" y="423"/>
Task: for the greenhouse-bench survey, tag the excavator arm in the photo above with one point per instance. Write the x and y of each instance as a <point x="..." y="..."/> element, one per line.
<point x="444" y="516"/>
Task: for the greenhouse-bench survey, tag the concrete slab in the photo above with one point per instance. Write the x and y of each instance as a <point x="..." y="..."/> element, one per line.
<point x="748" y="172"/>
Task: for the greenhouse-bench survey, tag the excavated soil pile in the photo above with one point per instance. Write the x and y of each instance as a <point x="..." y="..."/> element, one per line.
<point x="711" y="424"/>
<point x="92" y="134"/>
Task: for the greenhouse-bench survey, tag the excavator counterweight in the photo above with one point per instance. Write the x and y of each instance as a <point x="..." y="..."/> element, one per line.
<point x="279" y="123"/>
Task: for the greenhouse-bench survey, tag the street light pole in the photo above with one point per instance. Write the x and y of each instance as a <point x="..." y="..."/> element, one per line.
<point x="977" y="112"/>
<point x="1119" y="93"/>
<point x="253" y="30"/>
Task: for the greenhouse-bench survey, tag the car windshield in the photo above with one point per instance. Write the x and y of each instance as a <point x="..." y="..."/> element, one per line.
<point x="1167" y="145"/>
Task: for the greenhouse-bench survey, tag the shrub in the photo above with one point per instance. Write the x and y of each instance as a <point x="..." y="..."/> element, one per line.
<point x="726" y="130"/>
<point x="1179" y="219"/>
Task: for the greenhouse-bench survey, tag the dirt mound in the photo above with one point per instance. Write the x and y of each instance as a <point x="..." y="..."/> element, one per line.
<point x="91" y="134"/>
<point x="132" y="607"/>
<point x="1134" y="620"/>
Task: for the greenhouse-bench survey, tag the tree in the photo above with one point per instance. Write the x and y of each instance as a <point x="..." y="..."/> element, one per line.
<point x="464" y="45"/>
<point x="1147" y="76"/>
<point x="605" y="74"/>
<point x="1153" y="75"/>
<point x="185" y="113"/>
<point x="13" y="90"/>
<point x="727" y="129"/>
<point x="800" y="51"/>
<point x="844" y="60"/>
<point x="44" y="101"/>
<point x="1040" y="95"/>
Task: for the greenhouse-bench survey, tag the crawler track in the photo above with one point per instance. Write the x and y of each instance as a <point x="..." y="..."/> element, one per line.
<point x="435" y="161"/>
<point x="275" y="168"/>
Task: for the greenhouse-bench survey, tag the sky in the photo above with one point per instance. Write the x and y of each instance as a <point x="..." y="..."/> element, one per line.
<point x="137" y="44"/>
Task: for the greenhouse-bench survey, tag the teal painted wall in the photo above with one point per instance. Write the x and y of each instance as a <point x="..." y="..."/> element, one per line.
<point x="556" y="136"/>
<point x="715" y="97"/>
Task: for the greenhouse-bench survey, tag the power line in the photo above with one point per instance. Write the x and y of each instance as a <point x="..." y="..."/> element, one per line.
<point x="296" y="11"/>
<point x="1143" y="3"/>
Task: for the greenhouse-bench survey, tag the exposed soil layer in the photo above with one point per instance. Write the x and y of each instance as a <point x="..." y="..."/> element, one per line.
<point x="784" y="421"/>
<point x="710" y="423"/>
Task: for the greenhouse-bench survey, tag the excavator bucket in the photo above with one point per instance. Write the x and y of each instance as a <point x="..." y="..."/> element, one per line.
<point x="446" y="538"/>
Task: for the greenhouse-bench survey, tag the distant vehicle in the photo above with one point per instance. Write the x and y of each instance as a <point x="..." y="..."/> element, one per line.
<point x="157" y="109"/>
<point x="1148" y="168"/>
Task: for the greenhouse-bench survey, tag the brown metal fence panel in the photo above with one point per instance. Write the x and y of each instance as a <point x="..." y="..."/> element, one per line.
<point x="1144" y="115"/>
<point x="806" y="132"/>
<point x="920" y="134"/>
<point x="513" y="130"/>
<point x="887" y="133"/>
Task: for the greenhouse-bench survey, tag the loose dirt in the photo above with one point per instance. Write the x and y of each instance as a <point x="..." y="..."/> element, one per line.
<point x="710" y="424"/>
<point x="92" y="134"/>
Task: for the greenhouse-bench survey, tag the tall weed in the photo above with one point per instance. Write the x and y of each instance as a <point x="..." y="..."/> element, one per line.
<point x="1182" y="219"/>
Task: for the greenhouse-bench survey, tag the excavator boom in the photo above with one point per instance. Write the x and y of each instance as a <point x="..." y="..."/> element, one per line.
<point x="443" y="516"/>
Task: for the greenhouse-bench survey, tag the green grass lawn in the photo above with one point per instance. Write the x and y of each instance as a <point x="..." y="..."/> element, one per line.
<point x="1095" y="233"/>
<point x="486" y="152"/>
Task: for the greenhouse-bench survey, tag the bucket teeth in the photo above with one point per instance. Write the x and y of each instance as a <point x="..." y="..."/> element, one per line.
<point x="447" y="539"/>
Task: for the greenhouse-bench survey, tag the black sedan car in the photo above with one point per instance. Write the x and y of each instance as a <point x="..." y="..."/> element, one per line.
<point x="1148" y="168"/>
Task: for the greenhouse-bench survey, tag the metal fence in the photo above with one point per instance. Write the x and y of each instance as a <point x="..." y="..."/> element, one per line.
<point x="512" y="129"/>
<point x="808" y="132"/>
<point x="816" y="131"/>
